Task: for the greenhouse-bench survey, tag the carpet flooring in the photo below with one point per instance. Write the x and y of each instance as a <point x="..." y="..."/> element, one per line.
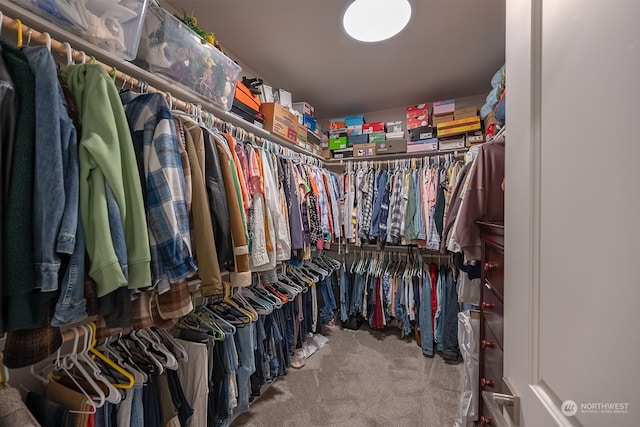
<point x="362" y="378"/>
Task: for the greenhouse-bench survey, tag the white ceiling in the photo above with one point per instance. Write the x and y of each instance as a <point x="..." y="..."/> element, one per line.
<point x="450" y="49"/>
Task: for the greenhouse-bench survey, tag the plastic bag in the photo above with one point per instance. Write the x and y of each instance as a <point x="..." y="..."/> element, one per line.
<point x="468" y="335"/>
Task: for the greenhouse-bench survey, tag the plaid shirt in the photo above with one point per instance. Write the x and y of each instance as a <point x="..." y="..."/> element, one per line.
<point x="367" y="204"/>
<point x="396" y="207"/>
<point x="162" y="178"/>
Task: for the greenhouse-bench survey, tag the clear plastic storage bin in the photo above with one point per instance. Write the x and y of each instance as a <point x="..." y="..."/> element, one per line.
<point x="113" y="25"/>
<point x="170" y="48"/>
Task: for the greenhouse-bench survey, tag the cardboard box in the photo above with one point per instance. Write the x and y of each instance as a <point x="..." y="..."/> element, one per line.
<point x="327" y="154"/>
<point x="459" y="126"/>
<point x="452" y="143"/>
<point x="391" y="146"/>
<point x="442" y="119"/>
<point x="394" y="127"/>
<point x="343" y="154"/>
<point x="313" y="138"/>
<point x="465" y="113"/>
<point x="357" y="139"/>
<point x="417" y="110"/>
<point x="422" y="141"/>
<point x="279" y="120"/>
<point x="373" y="127"/>
<point x="392" y="135"/>
<point x="309" y="122"/>
<point x="284" y="98"/>
<point x="337" y="124"/>
<point x="304" y="108"/>
<point x="364" y="150"/>
<point x="423" y="132"/>
<point x="377" y="137"/>
<point x="355" y="120"/>
<point x="417" y="122"/>
<point x="301" y="135"/>
<point x="419" y="148"/>
<point x="475" y="137"/>
<point x="354" y="130"/>
<point x="447" y="106"/>
<point x="338" y="143"/>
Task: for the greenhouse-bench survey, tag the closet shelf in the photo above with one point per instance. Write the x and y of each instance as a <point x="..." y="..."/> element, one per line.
<point x="133" y="76"/>
<point x="397" y="156"/>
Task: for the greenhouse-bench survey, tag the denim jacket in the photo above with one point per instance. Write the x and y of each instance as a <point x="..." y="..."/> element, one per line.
<point x="55" y="201"/>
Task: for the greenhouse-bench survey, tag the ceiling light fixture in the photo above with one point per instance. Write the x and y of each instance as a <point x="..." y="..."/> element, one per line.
<point x="376" y="20"/>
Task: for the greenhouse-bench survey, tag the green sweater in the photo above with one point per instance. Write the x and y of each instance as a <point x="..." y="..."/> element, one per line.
<point x="106" y="153"/>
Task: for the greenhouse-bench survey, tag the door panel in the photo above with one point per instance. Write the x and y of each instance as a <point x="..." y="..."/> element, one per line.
<point x="572" y="203"/>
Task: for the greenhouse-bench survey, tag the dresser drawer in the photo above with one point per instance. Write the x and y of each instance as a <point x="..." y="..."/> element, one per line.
<point x="492" y="362"/>
<point x="493" y="270"/>
<point x="493" y="313"/>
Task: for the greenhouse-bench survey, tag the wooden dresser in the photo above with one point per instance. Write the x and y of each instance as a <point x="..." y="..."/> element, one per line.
<point x="492" y="313"/>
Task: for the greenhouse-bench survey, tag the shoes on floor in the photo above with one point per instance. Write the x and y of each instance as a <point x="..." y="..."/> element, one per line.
<point x="297" y="360"/>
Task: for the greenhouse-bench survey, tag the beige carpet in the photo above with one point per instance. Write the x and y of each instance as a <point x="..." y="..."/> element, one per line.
<point x="362" y="378"/>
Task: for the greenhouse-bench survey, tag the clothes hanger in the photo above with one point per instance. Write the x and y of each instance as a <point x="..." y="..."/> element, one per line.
<point x="238" y="305"/>
<point x="243" y="303"/>
<point x="227" y="327"/>
<point x="133" y="338"/>
<point x="97" y="353"/>
<point x="69" y="53"/>
<point x="70" y="361"/>
<point x="61" y="366"/>
<point x="139" y="376"/>
<point x="169" y="340"/>
<point x="261" y="306"/>
<point x="171" y="362"/>
<point x="114" y="396"/>
<point x="264" y="293"/>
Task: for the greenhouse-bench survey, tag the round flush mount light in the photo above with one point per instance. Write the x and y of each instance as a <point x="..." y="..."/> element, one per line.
<point x="376" y="20"/>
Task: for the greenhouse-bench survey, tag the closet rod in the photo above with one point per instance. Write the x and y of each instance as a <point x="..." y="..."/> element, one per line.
<point x="380" y="158"/>
<point x="395" y="248"/>
<point x="24" y="31"/>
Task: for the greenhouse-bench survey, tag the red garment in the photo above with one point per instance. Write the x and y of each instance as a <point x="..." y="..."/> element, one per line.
<point x="91" y="420"/>
<point x="433" y="272"/>
<point x="378" y="312"/>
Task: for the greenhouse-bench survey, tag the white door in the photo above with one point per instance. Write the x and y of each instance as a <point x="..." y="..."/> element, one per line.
<point x="572" y="226"/>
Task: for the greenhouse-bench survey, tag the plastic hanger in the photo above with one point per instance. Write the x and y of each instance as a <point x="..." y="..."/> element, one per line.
<point x="178" y="349"/>
<point x="93" y="350"/>
<point x="230" y="328"/>
<point x="170" y="361"/>
<point x="114" y="395"/>
<point x="268" y="296"/>
<point x="143" y="348"/>
<point x="140" y="377"/>
<point x="61" y="366"/>
<point x="69" y="53"/>
<point x="71" y="361"/>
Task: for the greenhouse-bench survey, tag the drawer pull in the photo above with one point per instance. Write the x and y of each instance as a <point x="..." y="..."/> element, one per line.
<point x="488" y="266"/>
<point x="487" y="306"/>
<point x="485" y="344"/>
<point x="486" y="421"/>
<point x="484" y="382"/>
